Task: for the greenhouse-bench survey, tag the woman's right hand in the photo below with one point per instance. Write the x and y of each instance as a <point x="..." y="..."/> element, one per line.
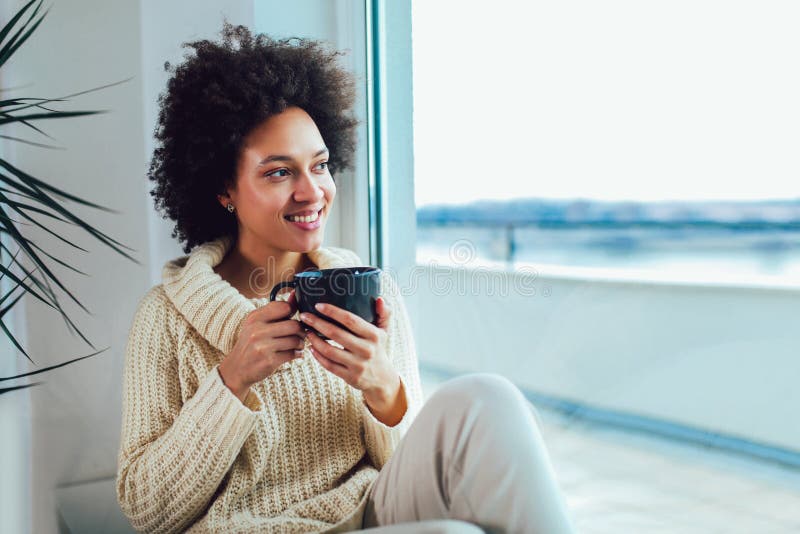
<point x="268" y="340"/>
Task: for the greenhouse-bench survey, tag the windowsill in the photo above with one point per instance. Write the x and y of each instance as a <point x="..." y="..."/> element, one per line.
<point x="628" y="276"/>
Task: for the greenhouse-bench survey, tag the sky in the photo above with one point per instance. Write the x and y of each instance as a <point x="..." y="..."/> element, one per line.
<point x="613" y="100"/>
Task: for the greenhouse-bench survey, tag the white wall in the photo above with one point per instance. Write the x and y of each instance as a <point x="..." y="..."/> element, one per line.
<point x="70" y="426"/>
<point x="74" y="419"/>
<point x="164" y="26"/>
<point x="340" y="24"/>
<point x="14" y="407"/>
<point x="14" y="420"/>
<point x="75" y="416"/>
<point x="723" y="359"/>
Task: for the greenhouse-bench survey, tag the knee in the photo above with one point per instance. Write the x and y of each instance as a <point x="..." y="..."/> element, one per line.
<point x="491" y="391"/>
<point x="430" y="526"/>
<point x="448" y="526"/>
<point x="454" y="526"/>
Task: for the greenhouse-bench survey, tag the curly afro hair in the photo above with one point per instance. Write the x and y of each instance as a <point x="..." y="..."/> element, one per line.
<point x="218" y="95"/>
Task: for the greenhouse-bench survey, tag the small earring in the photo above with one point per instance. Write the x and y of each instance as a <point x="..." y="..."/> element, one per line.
<point x="230" y="207"/>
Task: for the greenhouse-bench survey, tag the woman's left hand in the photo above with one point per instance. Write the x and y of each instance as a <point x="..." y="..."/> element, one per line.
<point x="363" y="362"/>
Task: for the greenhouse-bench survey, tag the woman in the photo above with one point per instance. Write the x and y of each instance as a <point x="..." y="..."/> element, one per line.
<point x="235" y="420"/>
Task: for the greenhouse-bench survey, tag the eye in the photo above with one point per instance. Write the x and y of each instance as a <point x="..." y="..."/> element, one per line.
<point x="276" y="173"/>
<point x="321" y="163"/>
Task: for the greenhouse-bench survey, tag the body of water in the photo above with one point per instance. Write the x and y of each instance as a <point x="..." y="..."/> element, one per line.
<point x="663" y="253"/>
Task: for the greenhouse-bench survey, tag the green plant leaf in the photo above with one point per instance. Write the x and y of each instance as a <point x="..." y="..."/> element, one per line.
<point x="44" y="286"/>
<point x="42" y="197"/>
<point x="11" y="191"/>
<point x="7" y="272"/>
<point x="30" y="182"/>
<point x="34" y="190"/>
<point x="7" y="307"/>
<point x="14" y="340"/>
<point x="29" y="125"/>
<point x="31" y="143"/>
<point x="48" y="115"/>
<point x="5" y="378"/>
<point x="64" y="98"/>
<point x="16" y="41"/>
<point x="21" y="205"/>
<point x="43" y="227"/>
<point x="14" y="388"/>
<point x="23" y="242"/>
<point x="22" y="267"/>
<point x="21" y="101"/>
<point x="4" y="217"/>
<point x="22" y="189"/>
<point x="10" y="24"/>
<point x="13" y="257"/>
<point x="37" y="192"/>
<point x="60" y="262"/>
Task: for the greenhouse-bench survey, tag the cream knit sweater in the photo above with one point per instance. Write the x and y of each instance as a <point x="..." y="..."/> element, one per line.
<point x="301" y="452"/>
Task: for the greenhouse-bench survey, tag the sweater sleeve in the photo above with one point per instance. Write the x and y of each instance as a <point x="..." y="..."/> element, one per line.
<point x="380" y="439"/>
<point x="173" y="455"/>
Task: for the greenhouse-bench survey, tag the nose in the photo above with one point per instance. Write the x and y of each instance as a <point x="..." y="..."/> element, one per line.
<point x="307" y="189"/>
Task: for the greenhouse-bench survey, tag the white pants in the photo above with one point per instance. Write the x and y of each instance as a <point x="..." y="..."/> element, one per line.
<point x="473" y="455"/>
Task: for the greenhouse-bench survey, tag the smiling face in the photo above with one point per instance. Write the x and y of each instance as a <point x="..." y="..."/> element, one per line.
<point x="282" y="170"/>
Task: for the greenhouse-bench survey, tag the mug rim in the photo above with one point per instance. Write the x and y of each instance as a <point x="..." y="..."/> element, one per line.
<point x="317" y="273"/>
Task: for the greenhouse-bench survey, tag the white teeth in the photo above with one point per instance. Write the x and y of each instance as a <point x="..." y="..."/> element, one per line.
<point x="308" y="218"/>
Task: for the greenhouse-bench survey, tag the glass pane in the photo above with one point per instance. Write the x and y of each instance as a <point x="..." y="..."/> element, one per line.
<point x="608" y="214"/>
<point x="657" y="137"/>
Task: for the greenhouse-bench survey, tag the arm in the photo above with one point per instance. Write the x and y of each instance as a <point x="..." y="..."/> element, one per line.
<point x="173" y="455"/>
<point x="388" y="407"/>
<point x="381" y="439"/>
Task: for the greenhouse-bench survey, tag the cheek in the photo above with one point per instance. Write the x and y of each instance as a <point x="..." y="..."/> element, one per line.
<point x="330" y="190"/>
<point x="268" y="205"/>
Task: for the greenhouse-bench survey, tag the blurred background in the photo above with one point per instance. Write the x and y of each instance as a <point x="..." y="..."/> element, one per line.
<point x="597" y="200"/>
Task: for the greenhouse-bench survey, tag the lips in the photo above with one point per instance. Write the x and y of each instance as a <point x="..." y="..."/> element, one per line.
<point x="304" y="213"/>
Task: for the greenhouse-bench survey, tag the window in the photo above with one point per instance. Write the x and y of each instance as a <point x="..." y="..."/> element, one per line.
<point x="659" y="138"/>
<point x="617" y="187"/>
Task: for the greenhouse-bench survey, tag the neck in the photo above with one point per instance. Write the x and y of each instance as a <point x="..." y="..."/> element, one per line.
<point x="254" y="268"/>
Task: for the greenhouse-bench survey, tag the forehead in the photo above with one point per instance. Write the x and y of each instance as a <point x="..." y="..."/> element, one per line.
<point x="291" y="132"/>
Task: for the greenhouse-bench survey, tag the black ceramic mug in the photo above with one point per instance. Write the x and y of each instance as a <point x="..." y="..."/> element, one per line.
<point x="354" y="289"/>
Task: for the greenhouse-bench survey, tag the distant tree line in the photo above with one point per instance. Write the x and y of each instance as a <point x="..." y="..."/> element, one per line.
<point x="545" y="213"/>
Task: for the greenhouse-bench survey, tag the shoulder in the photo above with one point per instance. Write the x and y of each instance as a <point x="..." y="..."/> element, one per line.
<point x="154" y="299"/>
<point x="154" y="340"/>
<point x="154" y="312"/>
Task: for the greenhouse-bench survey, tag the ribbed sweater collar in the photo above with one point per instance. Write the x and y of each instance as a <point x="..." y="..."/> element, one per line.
<point x="211" y="305"/>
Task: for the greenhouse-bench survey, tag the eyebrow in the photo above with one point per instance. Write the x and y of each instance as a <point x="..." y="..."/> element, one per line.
<point x="287" y="158"/>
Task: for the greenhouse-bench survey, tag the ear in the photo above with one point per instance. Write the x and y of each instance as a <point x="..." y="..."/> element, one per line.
<point x="223" y="195"/>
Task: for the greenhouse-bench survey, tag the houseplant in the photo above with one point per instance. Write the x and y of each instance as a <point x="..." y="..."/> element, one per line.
<point x="22" y="194"/>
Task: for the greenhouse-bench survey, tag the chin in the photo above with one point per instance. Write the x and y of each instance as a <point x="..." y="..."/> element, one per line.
<point x="311" y="244"/>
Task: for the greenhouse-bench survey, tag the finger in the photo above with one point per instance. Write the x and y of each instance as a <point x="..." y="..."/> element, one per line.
<point x="351" y="321"/>
<point x="272" y="311"/>
<point x="331" y="366"/>
<point x="288" y="343"/>
<point x="341" y="336"/>
<point x="329" y="356"/>
<point x="286" y="327"/>
<point x="288" y="355"/>
<point x="384" y="312"/>
<point x="341" y="356"/>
